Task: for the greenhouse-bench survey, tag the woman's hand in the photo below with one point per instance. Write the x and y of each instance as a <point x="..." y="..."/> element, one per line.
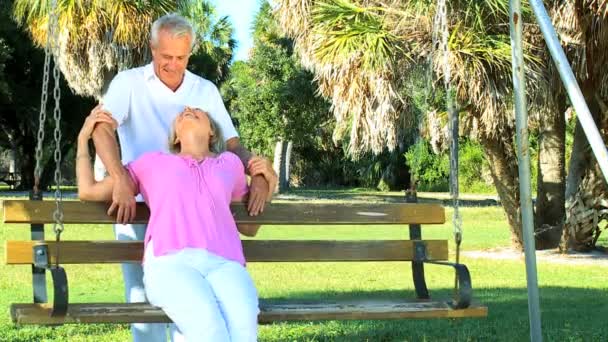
<point x="97" y="115"/>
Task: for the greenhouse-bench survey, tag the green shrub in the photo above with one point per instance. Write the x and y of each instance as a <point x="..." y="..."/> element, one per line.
<point x="430" y="170"/>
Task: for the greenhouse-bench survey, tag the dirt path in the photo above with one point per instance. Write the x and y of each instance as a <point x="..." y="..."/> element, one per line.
<point x="598" y="258"/>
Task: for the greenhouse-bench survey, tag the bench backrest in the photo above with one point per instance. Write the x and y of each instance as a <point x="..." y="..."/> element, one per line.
<point x="84" y="252"/>
<point x="19" y="211"/>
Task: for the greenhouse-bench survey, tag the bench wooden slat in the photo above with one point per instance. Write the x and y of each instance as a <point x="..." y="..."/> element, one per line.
<point x="93" y="252"/>
<point x="146" y="313"/>
<point x="23" y="211"/>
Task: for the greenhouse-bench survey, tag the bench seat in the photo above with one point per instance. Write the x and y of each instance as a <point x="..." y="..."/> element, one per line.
<point x="287" y="311"/>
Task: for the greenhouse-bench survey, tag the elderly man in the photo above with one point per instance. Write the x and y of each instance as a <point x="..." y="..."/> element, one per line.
<point x="144" y="101"/>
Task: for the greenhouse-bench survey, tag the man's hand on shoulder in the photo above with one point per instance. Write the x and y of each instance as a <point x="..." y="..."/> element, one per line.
<point x="123" y="199"/>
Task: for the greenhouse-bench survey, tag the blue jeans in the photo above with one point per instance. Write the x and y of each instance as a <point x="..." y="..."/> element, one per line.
<point x="133" y="275"/>
<point x="208" y="297"/>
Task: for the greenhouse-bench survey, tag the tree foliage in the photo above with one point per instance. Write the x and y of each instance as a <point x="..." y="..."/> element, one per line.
<point x="95" y="38"/>
<point x="98" y="38"/>
<point x="272" y="97"/>
<point x="363" y="52"/>
<point x="20" y="84"/>
<point x="215" y="44"/>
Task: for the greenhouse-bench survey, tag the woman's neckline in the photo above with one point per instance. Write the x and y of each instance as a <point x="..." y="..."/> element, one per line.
<point x="197" y="160"/>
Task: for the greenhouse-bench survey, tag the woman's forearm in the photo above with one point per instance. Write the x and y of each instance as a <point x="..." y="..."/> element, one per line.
<point x="84" y="169"/>
<point x="88" y="188"/>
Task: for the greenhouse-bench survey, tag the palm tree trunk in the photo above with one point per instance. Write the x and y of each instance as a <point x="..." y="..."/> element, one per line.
<point x="580" y="158"/>
<point x="278" y="161"/>
<point x="550" y="211"/>
<point x="287" y="160"/>
<point x="580" y="162"/>
<point x="502" y="159"/>
<point x="282" y="157"/>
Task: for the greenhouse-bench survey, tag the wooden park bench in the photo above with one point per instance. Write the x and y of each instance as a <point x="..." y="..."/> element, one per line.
<point x="40" y="254"/>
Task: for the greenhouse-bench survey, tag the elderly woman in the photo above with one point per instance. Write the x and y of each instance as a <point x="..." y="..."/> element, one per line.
<point x="194" y="267"/>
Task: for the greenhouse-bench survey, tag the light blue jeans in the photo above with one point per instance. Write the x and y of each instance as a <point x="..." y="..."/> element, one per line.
<point x="133" y="275"/>
<point x="208" y="297"/>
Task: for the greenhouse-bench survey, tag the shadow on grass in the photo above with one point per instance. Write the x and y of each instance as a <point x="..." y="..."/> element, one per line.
<point x="568" y="314"/>
<point x="80" y="332"/>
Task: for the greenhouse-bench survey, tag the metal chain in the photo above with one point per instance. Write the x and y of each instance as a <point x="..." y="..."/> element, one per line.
<point x="58" y="214"/>
<point x="42" y="114"/>
<point x="440" y="39"/>
<point x="51" y="49"/>
<point x="440" y="43"/>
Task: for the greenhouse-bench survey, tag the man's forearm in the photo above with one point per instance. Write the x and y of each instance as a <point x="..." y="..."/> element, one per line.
<point x="233" y="145"/>
<point x="107" y="148"/>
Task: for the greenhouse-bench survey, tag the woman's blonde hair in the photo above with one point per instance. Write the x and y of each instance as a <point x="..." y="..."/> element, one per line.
<point x="216" y="143"/>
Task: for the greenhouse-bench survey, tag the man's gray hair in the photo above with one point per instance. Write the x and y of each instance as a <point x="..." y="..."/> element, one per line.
<point x="173" y="23"/>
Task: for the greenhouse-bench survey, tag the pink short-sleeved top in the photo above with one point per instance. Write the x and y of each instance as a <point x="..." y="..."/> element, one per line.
<point x="189" y="202"/>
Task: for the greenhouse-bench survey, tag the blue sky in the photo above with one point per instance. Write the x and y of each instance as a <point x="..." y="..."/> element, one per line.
<point x="241" y="14"/>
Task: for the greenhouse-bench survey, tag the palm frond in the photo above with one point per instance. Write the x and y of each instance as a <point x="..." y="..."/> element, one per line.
<point x="361" y="51"/>
<point x="95" y="37"/>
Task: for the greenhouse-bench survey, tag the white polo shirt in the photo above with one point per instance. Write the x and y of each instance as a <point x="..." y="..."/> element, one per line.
<point x="145" y="108"/>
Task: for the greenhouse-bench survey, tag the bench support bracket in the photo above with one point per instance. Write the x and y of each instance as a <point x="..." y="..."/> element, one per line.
<point x="39" y="267"/>
<point x="60" y="280"/>
<point x="464" y="292"/>
<point x="422" y="291"/>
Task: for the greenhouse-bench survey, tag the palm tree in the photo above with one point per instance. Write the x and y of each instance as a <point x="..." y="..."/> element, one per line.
<point x="362" y="52"/>
<point x="215" y="46"/>
<point x="582" y="27"/>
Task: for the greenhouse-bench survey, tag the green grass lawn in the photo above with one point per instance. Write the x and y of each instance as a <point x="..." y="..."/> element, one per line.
<point x="574" y="298"/>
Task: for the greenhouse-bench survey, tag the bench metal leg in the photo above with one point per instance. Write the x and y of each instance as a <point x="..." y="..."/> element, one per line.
<point x="422" y="291"/>
<point x="38" y="273"/>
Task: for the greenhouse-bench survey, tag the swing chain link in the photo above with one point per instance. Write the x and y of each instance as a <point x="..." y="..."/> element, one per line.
<point x="42" y="114"/>
<point x="440" y="43"/>
<point x="51" y="51"/>
<point x="58" y="214"/>
<point x="440" y="39"/>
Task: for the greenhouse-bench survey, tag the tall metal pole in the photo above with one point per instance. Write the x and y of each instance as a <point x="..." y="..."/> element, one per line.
<point x="525" y="187"/>
<point x="574" y="92"/>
